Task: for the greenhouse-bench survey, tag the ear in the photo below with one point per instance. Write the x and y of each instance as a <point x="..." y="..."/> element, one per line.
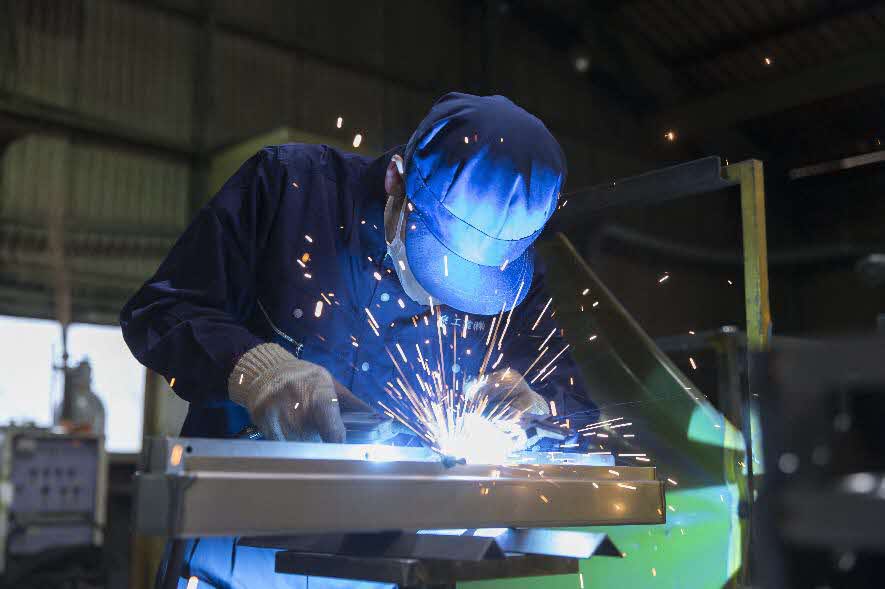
<point x="393" y="179"/>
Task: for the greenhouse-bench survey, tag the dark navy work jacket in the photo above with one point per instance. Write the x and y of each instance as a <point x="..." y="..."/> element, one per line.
<point x="291" y="250"/>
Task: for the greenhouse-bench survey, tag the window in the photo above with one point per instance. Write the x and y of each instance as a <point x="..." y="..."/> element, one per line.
<point x="30" y="388"/>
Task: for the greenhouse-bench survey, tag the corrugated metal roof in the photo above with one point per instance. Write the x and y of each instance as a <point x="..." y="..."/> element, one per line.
<point x="121" y="213"/>
<point x="118" y="62"/>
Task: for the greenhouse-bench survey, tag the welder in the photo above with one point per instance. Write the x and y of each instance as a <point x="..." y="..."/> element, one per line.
<point x="278" y="304"/>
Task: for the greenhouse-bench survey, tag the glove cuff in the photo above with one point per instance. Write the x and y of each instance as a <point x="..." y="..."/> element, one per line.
<point x="249" y="381"/>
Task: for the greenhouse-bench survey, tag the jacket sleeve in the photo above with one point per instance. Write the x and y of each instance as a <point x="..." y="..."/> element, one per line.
<point x="187" y="321"/>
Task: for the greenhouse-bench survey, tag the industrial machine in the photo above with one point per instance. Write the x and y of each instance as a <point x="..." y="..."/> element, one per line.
<point x="52" y="493"/>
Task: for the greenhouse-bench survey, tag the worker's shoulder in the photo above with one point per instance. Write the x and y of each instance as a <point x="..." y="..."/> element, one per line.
<point x="324" y="159"/>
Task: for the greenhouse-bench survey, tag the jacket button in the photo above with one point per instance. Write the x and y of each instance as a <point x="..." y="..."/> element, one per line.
<point x="365" y="366"/>
<point x="385" y="297"/>
<point x="297" y="313"/>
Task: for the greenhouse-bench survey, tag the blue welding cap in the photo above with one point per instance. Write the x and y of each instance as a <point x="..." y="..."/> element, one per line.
<point x="483" y="176"/>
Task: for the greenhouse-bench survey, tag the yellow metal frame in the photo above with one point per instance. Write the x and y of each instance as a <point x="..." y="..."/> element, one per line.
<point x="750" y="177"/>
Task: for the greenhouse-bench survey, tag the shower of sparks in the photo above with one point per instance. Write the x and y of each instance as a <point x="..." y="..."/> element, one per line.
<point x="626" y="486"/>
<point x="471" y="417"/>
<point x="538" y="320"/>
<point x="339" y="122"/>
<point x="585" y="292"/>
<point x="308" y="238"/>
<point x="357" y="139"/>
<point x="318" y="311"/>
<point x="172" y="382"/>
<point x="376" y="275"/>
<point x="672" y="482"/>
<point x="691" y="361"/>
<point x="664" y="278"/>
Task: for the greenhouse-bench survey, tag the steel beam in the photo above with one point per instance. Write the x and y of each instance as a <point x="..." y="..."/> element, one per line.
<point x="758" y="99"/>
<point x="195" y="488"/>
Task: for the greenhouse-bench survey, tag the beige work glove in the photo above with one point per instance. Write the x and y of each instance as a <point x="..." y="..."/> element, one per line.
<point x="288" y="398"/>
<point x="509" y="387"/>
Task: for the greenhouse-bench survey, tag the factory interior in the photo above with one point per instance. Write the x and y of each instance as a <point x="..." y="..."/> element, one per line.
<point x="540" y="294"/>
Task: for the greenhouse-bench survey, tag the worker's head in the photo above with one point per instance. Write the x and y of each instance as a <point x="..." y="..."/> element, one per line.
<point x="480" y="177"/>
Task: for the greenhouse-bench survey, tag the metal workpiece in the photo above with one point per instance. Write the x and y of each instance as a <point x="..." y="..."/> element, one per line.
<point x="284" y="488"/>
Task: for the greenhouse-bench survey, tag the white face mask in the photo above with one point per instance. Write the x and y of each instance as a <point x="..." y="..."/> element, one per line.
<point x="396" y="249"/>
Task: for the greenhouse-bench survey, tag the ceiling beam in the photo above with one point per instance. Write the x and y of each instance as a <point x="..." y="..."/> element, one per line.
<point x="763" y="38"/>
<point x="761" y="98"/>
<point x="632" y="60"/>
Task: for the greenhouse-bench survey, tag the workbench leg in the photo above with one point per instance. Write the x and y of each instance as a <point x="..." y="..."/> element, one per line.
<point x="174" y="565"/>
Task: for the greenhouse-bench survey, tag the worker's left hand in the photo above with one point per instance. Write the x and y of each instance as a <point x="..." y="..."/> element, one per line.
<point x="510" y="388"/>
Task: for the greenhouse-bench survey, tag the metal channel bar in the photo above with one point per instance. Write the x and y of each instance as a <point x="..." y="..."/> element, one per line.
<point x="255" y="496"/>
<point x="695" y="177"/>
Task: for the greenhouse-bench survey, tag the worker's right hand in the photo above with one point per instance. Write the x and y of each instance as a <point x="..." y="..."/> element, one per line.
<point x="288" y="398"/>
